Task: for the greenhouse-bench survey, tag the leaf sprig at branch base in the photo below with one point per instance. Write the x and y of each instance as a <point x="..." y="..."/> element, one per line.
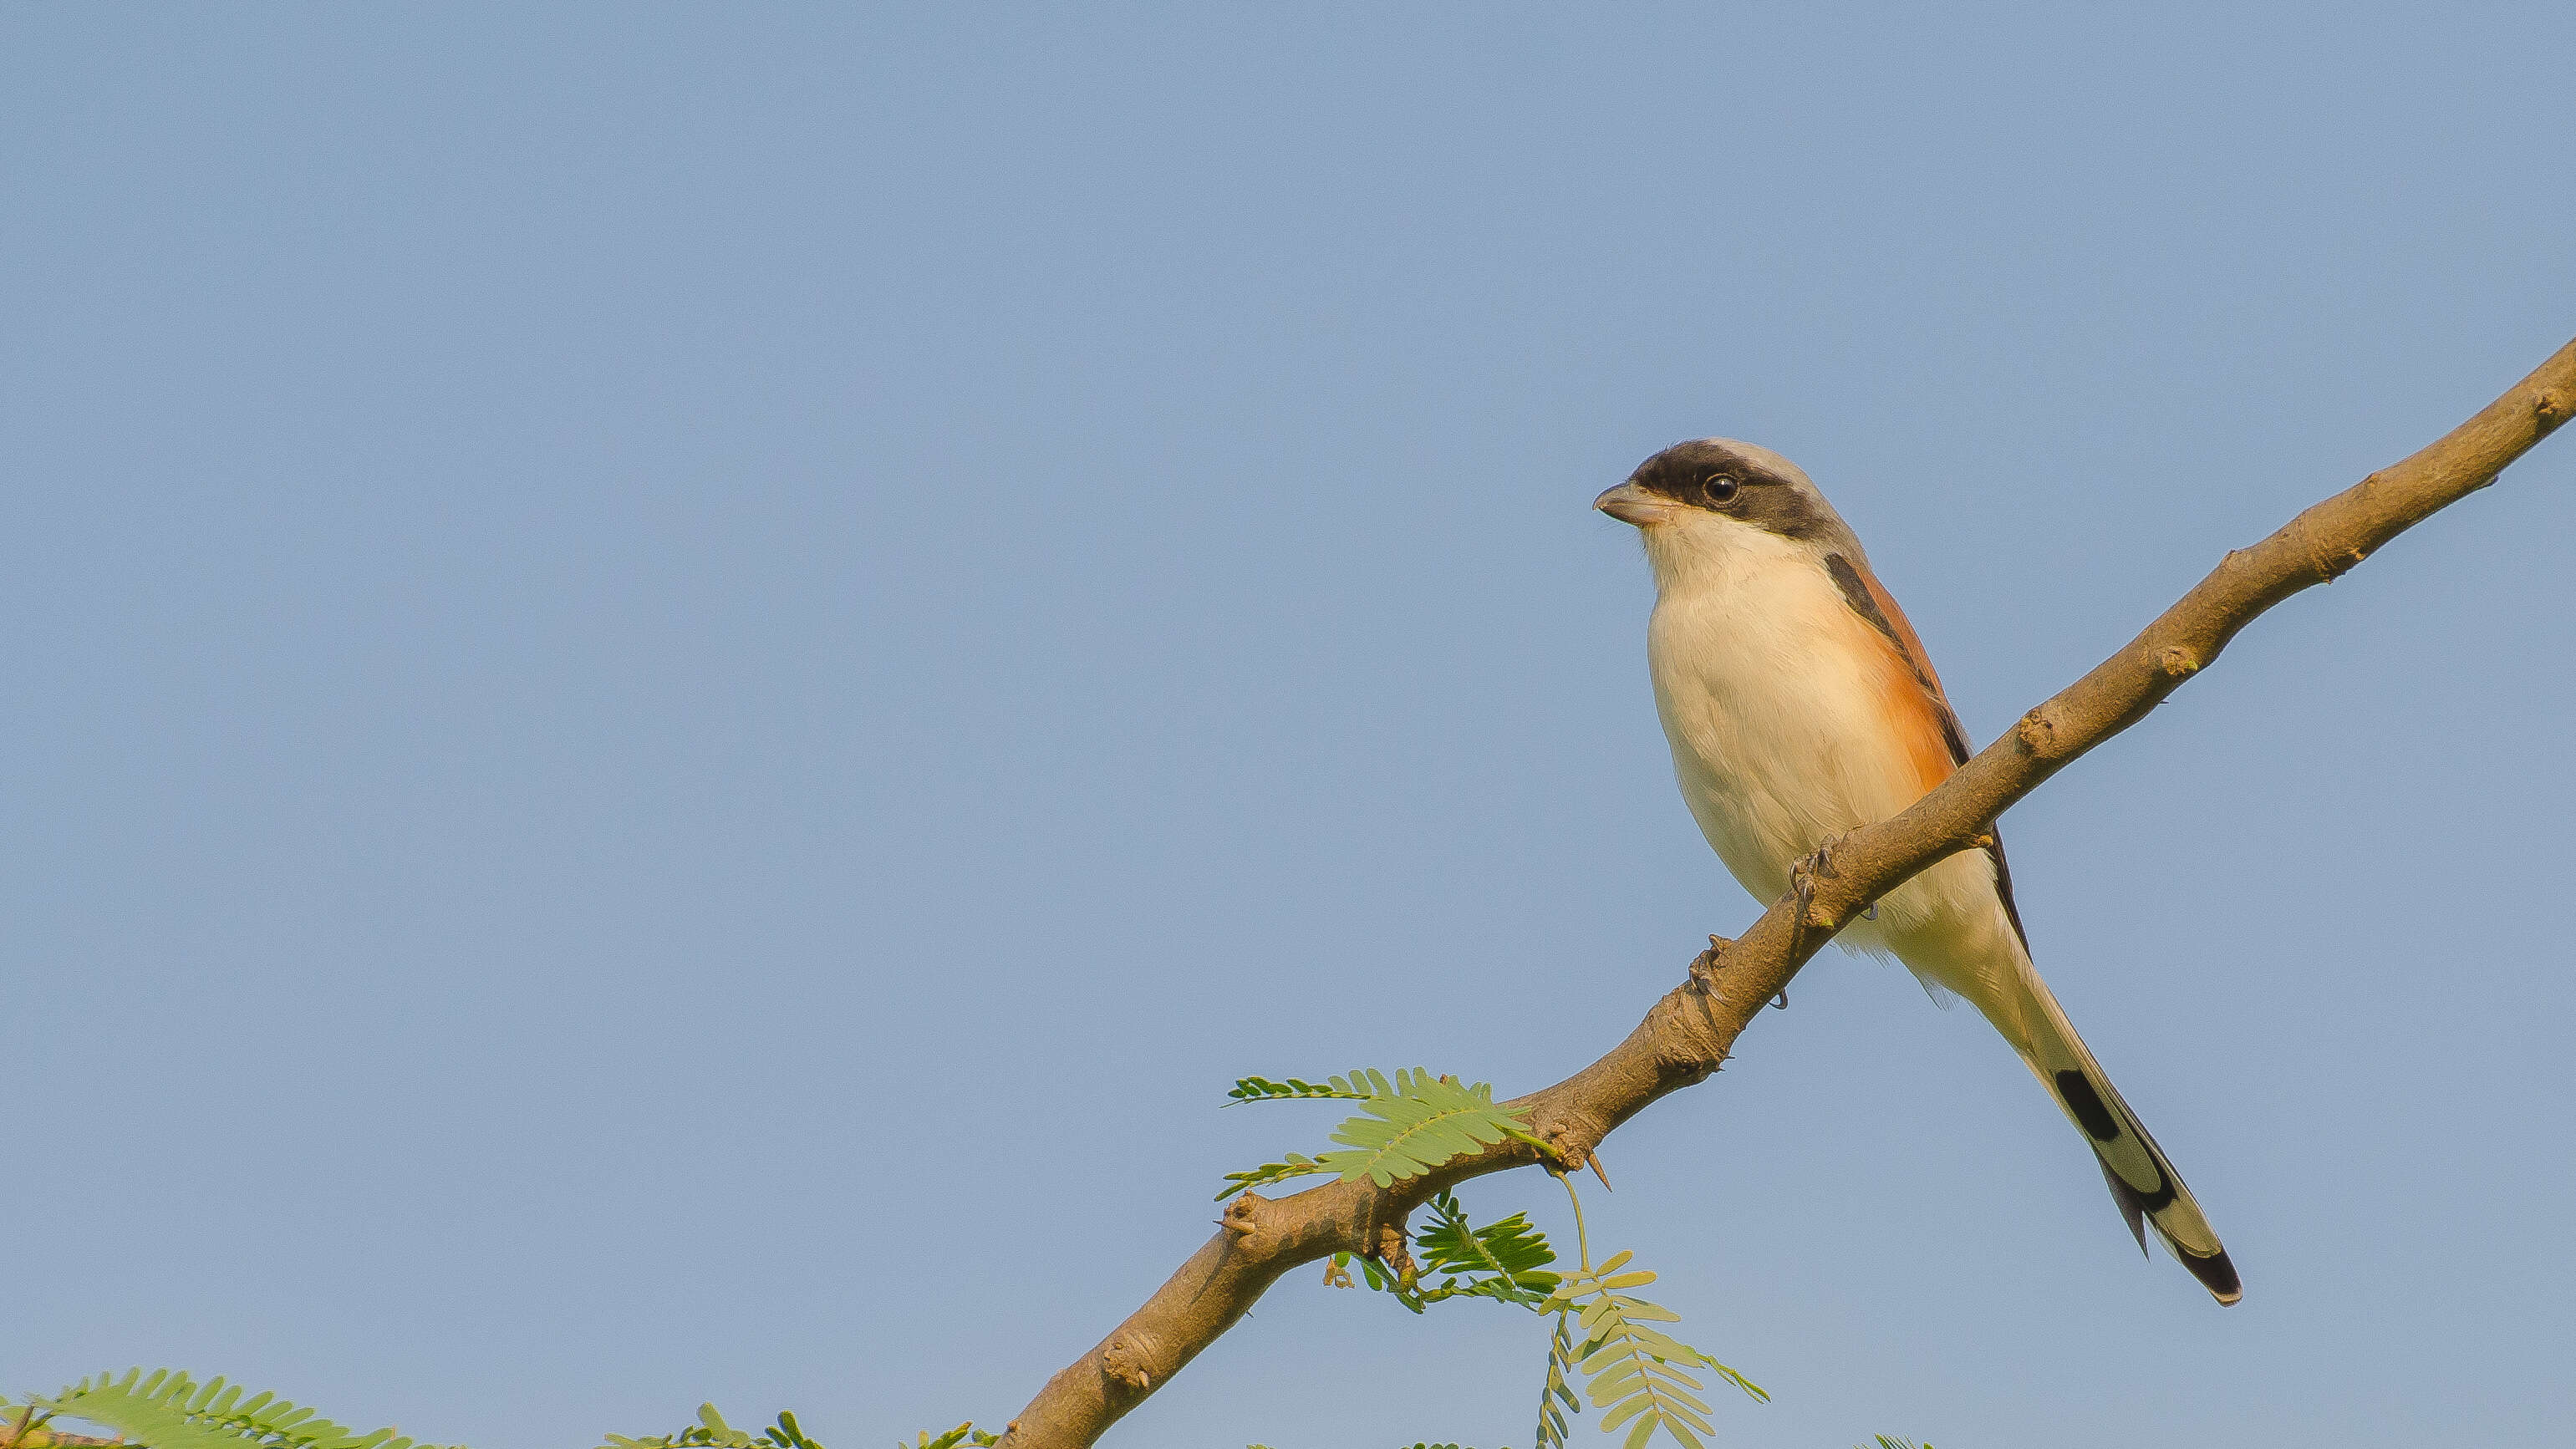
<point x="1636" y="1374"/>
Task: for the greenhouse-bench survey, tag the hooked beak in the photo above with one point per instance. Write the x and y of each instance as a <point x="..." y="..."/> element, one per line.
<point x="1629" y="503"/>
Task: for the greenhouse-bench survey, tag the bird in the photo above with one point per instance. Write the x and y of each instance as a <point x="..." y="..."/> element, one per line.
<point x="1800" y="704"/>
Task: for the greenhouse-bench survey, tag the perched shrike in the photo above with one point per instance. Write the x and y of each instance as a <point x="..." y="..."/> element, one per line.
<point x="1799" y="704"/>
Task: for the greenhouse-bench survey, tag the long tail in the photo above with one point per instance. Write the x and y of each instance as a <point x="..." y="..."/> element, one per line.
<point x="2142" y="1179"/>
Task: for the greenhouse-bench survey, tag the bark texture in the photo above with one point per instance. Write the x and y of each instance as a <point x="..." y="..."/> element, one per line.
<point x="1687" y="1034"/>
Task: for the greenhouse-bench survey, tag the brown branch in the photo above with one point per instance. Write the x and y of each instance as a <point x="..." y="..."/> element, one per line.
<point x="1688" y="1033"/>
<point x="28" y="1431"/>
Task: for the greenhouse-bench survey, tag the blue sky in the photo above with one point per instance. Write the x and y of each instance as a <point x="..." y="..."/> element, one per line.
<point x="685" y="682"/>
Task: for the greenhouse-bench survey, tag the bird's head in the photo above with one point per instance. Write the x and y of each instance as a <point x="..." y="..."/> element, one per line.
<point x="1699" y="501"/>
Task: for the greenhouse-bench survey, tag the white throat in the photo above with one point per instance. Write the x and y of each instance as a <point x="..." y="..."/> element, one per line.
<point x="1699" y="551"/>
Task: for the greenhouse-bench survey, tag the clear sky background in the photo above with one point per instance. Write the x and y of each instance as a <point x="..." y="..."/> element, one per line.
<point x="683" y="684"/>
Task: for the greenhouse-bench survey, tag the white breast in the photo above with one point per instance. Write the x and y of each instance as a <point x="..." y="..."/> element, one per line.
<point x="1771" y="691"/>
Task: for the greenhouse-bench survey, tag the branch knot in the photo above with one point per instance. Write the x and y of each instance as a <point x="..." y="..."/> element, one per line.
<point x="1243" y="1215"/>
<point x="1569" y="1143"/>
<point x="2037" y="735"/>
<point x="1128" y="1360"/>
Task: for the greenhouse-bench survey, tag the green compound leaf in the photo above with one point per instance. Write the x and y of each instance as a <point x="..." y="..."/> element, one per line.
<point x="170" y="1410"/>
<point x="1551" y="1418"/>
<point x="1412" y="1124"/>
<point x="1506" y="1261"/>
<point x="1636" y="1375"/>
<point x="1424" y="1122"/>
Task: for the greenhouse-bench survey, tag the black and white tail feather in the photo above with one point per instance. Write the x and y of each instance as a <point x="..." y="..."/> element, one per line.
<point x="2142" y="1179"/>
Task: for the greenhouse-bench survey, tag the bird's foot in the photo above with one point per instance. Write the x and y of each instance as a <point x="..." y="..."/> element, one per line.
<point x="1815" y="865"/>
<point x="1703" y="967"/>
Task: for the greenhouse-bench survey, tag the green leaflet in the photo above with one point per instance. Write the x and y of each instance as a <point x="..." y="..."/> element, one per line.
<point x="1409" y="1126"/>
<point x="170" y="1410"/>
<point x="1358" y="1086"/>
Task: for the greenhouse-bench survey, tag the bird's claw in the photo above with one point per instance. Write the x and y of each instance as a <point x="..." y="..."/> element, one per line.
<point x="1817" y="864"/>
<point x="1703" y="967"/>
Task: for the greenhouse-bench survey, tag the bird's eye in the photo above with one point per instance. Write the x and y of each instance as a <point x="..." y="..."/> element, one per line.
<point x="1719" y="488"/>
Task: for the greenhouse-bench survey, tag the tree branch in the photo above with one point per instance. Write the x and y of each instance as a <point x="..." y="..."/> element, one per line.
<point x="1688" y="1033"/>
